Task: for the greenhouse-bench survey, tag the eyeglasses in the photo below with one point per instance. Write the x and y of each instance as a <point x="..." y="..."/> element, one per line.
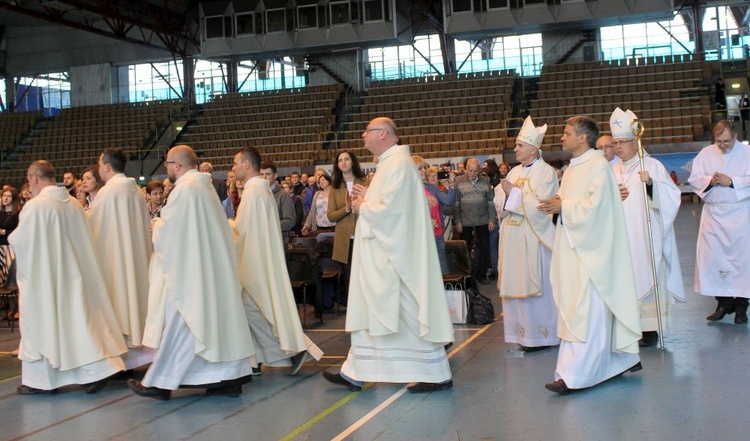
<point x="370" y="130"/>
<point x="619" y="143"/>
<point x="170" y="162"/>
<point x="725" y="141"/>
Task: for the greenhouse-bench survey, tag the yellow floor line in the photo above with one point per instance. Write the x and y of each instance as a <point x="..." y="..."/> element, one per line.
<point x="351" y="429"/>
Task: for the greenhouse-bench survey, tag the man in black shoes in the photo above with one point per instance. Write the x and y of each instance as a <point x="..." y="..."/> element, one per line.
<point x="720" y="177"/>
<point x="398" y="326"/>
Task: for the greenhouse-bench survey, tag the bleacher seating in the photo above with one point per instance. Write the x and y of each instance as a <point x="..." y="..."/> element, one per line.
<point x="14" y="125"/>
<point x="285" y="125"/>
<point x="74" y="139"/>
<point x="441" y="116"/>
<point x="670" y="97"/>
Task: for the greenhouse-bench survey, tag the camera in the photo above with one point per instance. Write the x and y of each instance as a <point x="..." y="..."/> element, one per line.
<point x="443" y="175"/>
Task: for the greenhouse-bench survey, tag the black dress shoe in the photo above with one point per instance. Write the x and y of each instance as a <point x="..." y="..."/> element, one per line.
<point x="740" y="317"/>
<point x="483" y="281"/>
<point x="297" y="361"/>
<point x="559" y="387"/>
<point x="719" y="313"/>
<point x="226" y="391"/>
<point x="28" y="390"/>
<point x="149" y="392"/>
<point x="534" y="348"/>
<point x="430" y="387"/>
<point x="648" y="338"/>
<point x="336" y="378"/>
<point x="96" y="386"/>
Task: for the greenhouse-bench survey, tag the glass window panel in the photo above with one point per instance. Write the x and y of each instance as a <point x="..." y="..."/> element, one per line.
<point x="307" y="16"/>
<point x="498" y="4"/>
<point x="215" y="27"/>
<point x="373" y="10"/>
<point x="340" y="13"/>
<point x="276" y="20"/>
<point x="461" y="5"/>
<point x="245" y="24"/>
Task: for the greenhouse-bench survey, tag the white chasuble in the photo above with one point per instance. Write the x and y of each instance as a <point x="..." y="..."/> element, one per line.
<point x="195" y="266"/>
<point x="119" y="223"/>
<point x="262" y="267"/>
<point x="590" y="249"/>
<point x="395" y="279"/>
<point x="67" y="319"/>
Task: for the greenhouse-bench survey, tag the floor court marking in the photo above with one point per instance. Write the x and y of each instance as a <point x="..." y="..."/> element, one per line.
<point x="373" y="413"/>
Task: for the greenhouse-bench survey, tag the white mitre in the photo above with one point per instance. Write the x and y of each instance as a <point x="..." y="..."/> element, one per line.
<point x="620" y="124"/>
<point x="530" y="134"/>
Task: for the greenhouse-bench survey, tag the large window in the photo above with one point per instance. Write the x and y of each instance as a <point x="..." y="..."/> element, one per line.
<point x="646" y="39"/>
<point x="721" y="37"/>
<point x="520" y="52"/>
<point x="421" y="59"/>
<point x="155" y="81"/>
<point x="49" y="93"/>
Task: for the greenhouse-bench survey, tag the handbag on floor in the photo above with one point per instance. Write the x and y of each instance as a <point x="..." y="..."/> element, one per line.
<point x="455" y="296"/>
<point x="481" y="310"/>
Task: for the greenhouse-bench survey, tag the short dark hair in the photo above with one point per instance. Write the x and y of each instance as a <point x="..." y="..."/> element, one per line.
<point x="269" y="164"/>
<point x="116" y="158"/>
<point x="66" y="172"/>
<point x="252" y="155"/>
<point x="584" y="125"/>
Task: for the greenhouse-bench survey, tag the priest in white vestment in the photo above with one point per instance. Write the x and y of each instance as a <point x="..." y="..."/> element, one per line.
<point x="119" y="223"/>
<point x="69" y="332"/>
<point x="195" y="315"/>
<point x="606" y="145"/>
<point x="592" y="274"/>
<point x="721" y="177"/>
<point x="397" y="313"/>
<point x="525" y="247"/>
<point x="663" y="203"/>
<point x="266" y="290"/>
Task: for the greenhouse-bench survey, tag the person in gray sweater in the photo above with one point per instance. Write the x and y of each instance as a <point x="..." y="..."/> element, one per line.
<point x="474" y="215"/>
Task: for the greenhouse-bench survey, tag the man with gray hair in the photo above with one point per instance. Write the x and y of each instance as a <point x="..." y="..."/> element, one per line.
<point x="219" y="185"/>
<point x="474" y="215"/>
<point x="525" y="249"/>
<point x="70" y="334"/>
<point x="721" y="177"/>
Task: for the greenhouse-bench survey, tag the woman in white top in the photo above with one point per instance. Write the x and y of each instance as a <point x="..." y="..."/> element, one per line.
<point x="317" y="218"/>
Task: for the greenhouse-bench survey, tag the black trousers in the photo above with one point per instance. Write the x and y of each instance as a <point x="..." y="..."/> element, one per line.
<point x="479" y="235"/>
<point x="736" y="303"/>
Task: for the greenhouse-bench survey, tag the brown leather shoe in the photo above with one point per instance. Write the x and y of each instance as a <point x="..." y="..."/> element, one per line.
<point x="559" y="387"/>
<point x="719" y="314"/>
<point x="149" y="392"/>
